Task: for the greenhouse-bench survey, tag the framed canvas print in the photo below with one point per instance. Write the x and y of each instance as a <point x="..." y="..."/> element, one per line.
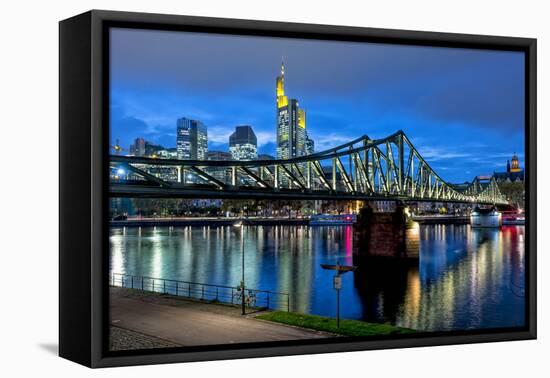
<point x="233" y="188"/>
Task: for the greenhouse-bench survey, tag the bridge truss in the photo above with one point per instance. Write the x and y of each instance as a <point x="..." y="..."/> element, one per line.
<point x="390" y="168"/>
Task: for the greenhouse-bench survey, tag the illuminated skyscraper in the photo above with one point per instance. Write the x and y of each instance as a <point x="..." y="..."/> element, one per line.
<point x="191" y="139"/>
<point x="243" y="144"/>
<point x="291" y="123"/>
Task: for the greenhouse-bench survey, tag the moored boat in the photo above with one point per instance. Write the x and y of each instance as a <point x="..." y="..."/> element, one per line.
<point x="486" y="217"/>
<point x="332" y="220"/>
<point x="513" y="217"/>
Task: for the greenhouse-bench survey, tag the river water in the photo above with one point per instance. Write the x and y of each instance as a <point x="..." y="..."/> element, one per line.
<point x="465" y="278"/>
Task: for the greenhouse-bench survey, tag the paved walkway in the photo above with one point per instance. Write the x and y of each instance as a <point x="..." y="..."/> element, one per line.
<point x="192" y="323"/>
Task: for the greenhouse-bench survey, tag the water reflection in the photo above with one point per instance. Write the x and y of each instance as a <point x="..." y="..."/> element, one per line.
<point x="465" y="278"/>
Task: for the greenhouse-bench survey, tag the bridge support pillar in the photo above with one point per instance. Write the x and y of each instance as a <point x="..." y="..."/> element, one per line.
<point x="387" y="236"/>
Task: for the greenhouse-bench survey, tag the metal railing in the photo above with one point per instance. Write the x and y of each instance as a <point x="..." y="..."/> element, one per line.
<point x="266" y="299"/>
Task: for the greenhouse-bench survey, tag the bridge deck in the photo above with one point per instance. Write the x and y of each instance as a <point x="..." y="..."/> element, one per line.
<point x="145" y="191"/>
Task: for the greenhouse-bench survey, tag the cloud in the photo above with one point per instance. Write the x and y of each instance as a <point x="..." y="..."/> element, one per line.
<point x="326" y="141"/>
<point x="265" y="137"/>
<point x="436" y="154"/>
<point x="269" y="148"/>
<point x="219" y="134"/>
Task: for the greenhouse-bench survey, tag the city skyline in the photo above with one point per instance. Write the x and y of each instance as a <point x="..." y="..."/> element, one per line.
<point x="467" y="120"/>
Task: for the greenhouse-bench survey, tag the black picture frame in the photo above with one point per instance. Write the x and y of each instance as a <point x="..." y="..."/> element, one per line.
<point x="84" y="141"/>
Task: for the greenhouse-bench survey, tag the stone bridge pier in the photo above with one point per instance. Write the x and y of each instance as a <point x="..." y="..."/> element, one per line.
<point x="391" y="237"/>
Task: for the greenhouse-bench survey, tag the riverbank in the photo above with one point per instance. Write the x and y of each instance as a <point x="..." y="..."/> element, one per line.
<point x="346" y="328"/>
<point x="216" y="222"/>
<point x="213" y="222"/>
<point x="144" y="320"/>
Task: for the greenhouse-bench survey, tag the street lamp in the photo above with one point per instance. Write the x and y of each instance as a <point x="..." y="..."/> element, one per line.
<point x="241" y="226"/>
<point x="337" y="283"/>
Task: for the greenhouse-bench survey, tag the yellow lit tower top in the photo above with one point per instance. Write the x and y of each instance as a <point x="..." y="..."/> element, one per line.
<point x="282" y="100"/>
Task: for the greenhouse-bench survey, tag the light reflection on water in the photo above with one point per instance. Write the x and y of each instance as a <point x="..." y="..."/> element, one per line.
<point x="465" y="278"/>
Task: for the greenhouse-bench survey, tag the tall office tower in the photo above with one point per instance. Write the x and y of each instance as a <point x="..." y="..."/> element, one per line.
<point x="292" y="138"/>
<point x="291" y="123"/>
<point x="191" y="139"/>
<point x="243" y="143"/>
<point x="138" y="148"/>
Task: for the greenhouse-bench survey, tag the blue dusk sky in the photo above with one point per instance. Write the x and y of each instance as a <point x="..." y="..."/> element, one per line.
<point x="463" y="109"/>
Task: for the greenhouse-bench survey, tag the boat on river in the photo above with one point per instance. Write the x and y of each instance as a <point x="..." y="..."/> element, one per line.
<point x="486" y="217"/>
<point x="513" y="217"/>
<point x="332" y="220"/>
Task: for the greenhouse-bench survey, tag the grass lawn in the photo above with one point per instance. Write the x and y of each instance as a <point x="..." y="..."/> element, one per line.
<point x="320" y="323"/>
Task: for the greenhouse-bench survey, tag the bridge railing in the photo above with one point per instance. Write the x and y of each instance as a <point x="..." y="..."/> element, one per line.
<point x="205" y="292"/>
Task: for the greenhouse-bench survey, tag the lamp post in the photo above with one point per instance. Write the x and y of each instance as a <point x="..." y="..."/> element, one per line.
<point x="241" y="226"/>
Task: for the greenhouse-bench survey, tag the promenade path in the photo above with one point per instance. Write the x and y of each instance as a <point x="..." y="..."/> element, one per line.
<point x="187" y="322"/>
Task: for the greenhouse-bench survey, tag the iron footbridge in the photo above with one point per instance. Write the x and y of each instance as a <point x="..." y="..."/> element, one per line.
<point x="386" y="169"/>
